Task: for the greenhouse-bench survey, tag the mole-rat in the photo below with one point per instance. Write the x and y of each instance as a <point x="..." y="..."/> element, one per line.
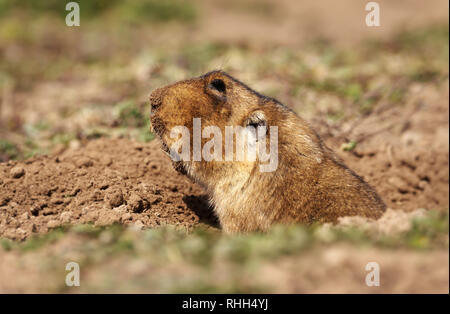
<point x="309" y="183"/>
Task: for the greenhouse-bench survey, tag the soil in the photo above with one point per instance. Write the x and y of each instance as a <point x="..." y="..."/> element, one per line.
<point x="108" y="181"/>
<point x="416" y="273"/>
<point x="403" y="151"/>
<point x="403" y="154"/>
<point x="61" y="88"/>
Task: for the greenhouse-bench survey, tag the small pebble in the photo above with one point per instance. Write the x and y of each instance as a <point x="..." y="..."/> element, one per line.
<point x="135" y="203"/>
<point x="25" y="216"/>
<point x="65" y="217"/>
<point x="125" y="217"/>
<point x="53" y="223"/>
<point x="84" y="162"/>
<point x="17" y="172"/>
<point x="115" y="199"/>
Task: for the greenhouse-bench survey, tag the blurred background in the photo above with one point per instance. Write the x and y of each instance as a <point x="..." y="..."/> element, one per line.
<point x="63" y="85"/>
<point x="369" y="92"/>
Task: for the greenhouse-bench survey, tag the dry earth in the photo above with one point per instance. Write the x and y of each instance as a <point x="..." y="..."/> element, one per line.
<point x="404" y="155"/>
<point x="62" y="88"/>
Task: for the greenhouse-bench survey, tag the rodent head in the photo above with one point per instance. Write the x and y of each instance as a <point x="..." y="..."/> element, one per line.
<point x="219" y="100"/>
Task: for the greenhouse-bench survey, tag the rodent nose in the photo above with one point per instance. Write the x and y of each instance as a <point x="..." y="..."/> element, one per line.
<point x="156" y="98"/>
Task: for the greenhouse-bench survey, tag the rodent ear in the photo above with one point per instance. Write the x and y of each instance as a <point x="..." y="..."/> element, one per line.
<point x="255" y="119"/>
<point x="218" y="89"/>
<point x="218" y="85"/>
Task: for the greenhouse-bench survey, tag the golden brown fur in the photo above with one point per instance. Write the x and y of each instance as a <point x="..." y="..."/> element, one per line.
<point x="310" y="184"/>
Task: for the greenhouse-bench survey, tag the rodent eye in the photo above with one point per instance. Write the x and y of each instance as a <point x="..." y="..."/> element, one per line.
<point x="256" y="119"/>
<point x="218" y="85"/>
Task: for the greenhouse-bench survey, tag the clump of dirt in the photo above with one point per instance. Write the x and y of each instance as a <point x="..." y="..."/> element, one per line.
<point x="108" y="181"/>
<point x="403" y="151"/>
<point x="392" y="222"/>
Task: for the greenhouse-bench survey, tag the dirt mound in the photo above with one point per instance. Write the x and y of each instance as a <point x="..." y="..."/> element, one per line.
<point x="108" y="181"/>
<point x="402" y="151"/>
<point x="409" y="180"/>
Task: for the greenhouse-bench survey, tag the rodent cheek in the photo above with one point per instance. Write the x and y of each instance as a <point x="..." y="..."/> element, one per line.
<point x="157" y="125"/>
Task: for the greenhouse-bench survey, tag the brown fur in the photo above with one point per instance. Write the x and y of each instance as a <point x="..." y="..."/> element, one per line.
<point x="310" y="184"/>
